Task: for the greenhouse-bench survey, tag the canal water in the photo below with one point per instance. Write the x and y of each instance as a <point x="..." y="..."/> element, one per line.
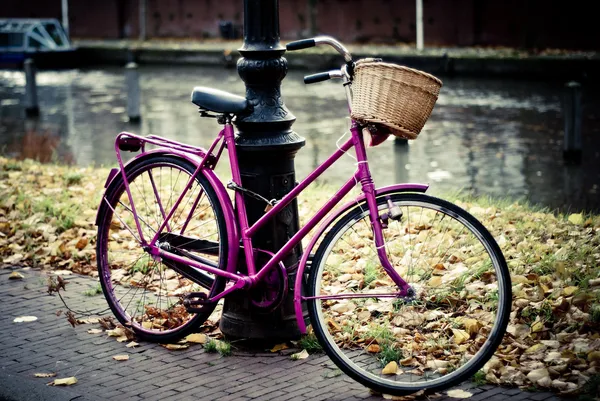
<point x="486" y="136"/>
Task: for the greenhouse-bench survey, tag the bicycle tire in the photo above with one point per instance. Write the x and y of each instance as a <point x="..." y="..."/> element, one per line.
<point x="364" y="335"/>
<point x="125" y="268"/>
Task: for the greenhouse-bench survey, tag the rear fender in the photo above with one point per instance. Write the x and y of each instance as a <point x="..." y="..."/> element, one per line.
<point x="233" y="236"/>
<point x="321" y="230"/>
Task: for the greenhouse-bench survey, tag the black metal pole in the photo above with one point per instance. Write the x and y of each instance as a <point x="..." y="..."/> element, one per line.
<point x="266" y="147"/>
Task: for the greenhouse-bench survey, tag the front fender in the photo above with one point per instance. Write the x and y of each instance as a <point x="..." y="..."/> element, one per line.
<point x="233" y="236"/>
<point x="320" y="231"/>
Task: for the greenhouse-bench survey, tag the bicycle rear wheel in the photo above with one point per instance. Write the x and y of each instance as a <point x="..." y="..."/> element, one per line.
<point x="145" y="292"/>
<point x="444" y="334"/>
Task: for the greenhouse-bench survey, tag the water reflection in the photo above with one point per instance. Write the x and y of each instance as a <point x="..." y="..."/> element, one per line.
<point x="497" y="137"/>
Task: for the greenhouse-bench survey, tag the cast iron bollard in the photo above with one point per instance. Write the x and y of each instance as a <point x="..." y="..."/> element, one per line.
<point x="266" y="148"/>
<point x="572" y="112"/>
<point x="133" y="92"/>
<point x="31" y="101"/>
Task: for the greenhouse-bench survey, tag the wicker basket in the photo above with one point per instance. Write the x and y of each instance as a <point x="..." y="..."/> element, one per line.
<point x="398" y="97"/>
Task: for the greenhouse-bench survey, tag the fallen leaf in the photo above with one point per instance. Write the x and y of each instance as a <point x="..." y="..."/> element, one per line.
<point x="17" y="257"/>
<point x="300" y="355"/>
<point x="72" y="319"/>
<point x="175" y="347"/>
<point x="537" y="326"/>
<point x="25" y="319"/>
<point x="279" y="347"/>
<point x="117" y="332"/>
<point x="594" y="356"/>
<point x="373" y="348"/>
<point x="81" y="243"/>
<point x="436" y="364"/>
<point x="16" y="276"/>
<point x="472" y="326"/>
<point x="545" y="381"/>
<point x="576" y="218"/>
<point x="407" y="361"/>
<point x="390" y="369"/>
<point x="95" y="331"/>
<point x="121" y="357"/>
<point x="122" y="339"/>
<point x="568" y="291"/>
<point x="67" y="381"/>
<point x="460" y="336"/>
<point x="196" y="338"/>
<point x="44" y="374"/>
<point x="458" y="393"/>
<point x="535" y="349"/>
<point x="435" y="281"/>
<point x="538" y="374"/>
<point x="91" y="320"/>
<point x="132" y="344"/>
<point x="107" y="323"/>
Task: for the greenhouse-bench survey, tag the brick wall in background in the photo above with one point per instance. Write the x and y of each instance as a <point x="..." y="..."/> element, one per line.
<point x="515" y="23"/>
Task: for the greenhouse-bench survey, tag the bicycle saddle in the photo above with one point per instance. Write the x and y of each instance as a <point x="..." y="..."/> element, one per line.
<point x="218" y="101"/>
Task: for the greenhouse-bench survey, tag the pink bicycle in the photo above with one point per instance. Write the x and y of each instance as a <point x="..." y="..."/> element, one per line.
<point x="405" y="292"/>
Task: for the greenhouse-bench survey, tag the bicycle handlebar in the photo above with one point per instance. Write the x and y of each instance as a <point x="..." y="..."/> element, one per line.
<point x="322" y="76"/>
<point x="314" y="78"/>
<point x="300" y="44"/>
<point x="320" y="40"/>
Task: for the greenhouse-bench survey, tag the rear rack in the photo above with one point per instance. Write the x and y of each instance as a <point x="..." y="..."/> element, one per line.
<point x="132" y="142"/>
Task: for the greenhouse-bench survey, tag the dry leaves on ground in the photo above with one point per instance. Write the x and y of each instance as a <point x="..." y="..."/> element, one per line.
<point x="554" y="262"/>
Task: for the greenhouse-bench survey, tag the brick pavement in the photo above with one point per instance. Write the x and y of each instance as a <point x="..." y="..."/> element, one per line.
<point x="152" y="372"/>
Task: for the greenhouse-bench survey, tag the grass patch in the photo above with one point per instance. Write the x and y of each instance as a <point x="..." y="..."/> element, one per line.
<point x="97" y="290"/>
<point x="479" y="378"/>
<point x="595" y="313"/>
<point x="389" y="352"/>
<point x="310" y="343"/>
<point x="370" y="273"/>
<point x="57" y="212"/>
<point x="222" y="347"/>
<point x="381" y="333"/>
<point x="12" y="166"/>
<point x="529" y="314"/>
<point x="142" y="265"/>
<point x="73" y="177"/>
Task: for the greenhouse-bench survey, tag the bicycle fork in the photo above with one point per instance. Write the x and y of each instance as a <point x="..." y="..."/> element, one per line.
<point x="366" y="181"/>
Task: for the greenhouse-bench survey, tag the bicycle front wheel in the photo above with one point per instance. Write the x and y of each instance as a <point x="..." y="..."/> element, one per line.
<point x="441" y="336"/>
<point x="145" y="292"/>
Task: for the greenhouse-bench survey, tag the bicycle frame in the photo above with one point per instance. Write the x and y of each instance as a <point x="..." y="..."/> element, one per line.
<point x="205" y="161"/>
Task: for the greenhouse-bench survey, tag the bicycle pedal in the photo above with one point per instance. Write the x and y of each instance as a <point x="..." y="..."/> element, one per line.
<point x="193" y="299"/>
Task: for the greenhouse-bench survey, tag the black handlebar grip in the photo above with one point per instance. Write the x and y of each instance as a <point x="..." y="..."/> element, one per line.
<point x="314" y="78"/>
<point x="300" y="44"/>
